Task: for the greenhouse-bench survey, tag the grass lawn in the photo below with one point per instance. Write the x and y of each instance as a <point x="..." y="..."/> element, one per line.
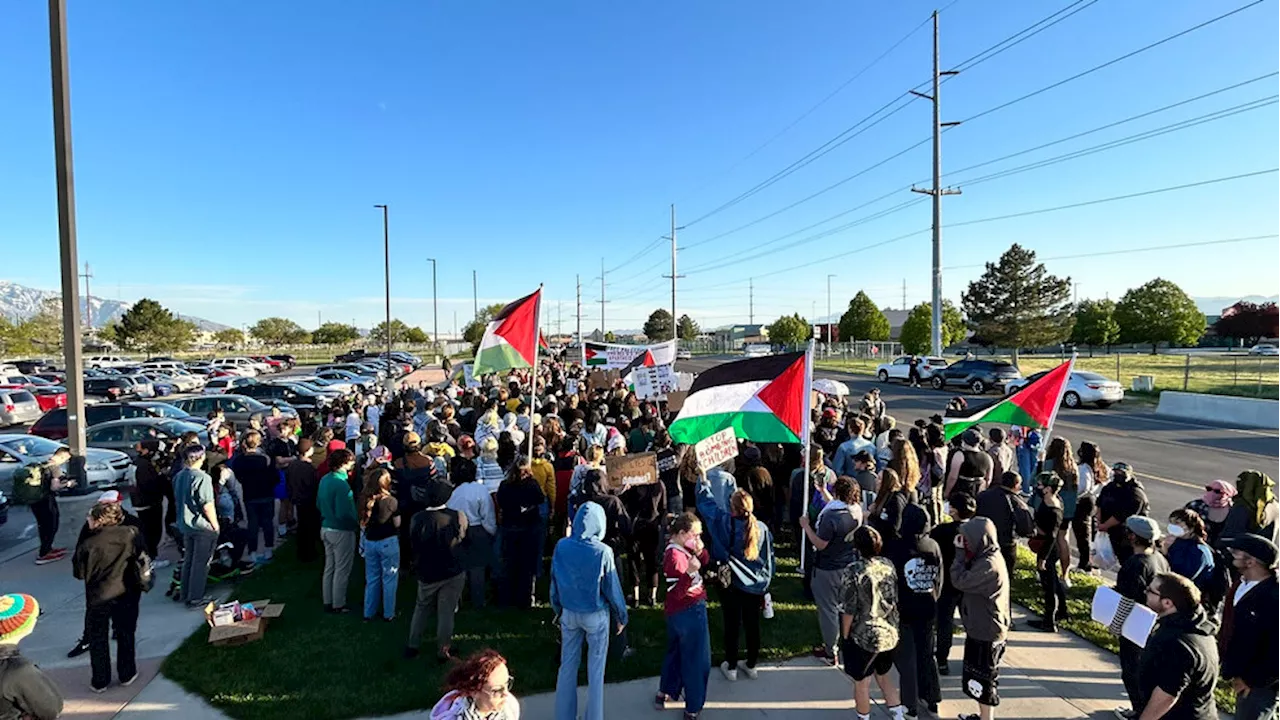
<point x="319" y="666"/>
<point x="1025" y="591"/>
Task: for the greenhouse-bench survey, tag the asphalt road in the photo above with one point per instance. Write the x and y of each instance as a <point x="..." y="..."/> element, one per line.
<point x="1173" y="458"/>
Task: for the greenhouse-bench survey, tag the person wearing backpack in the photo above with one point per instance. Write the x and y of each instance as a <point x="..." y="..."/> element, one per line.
<point x="25" y="691"/>
<point x="36" y="486"/>
<point x="115" y="569"/>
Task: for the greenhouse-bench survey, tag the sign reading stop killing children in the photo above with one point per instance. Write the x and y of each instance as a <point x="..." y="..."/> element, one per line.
<point x="624" y="471"/>
<point x="716" y="449"/>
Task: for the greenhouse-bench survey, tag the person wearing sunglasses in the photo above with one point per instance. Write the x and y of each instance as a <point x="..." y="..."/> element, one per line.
<point x="478" y="688"/>
<point x="1179" y="664"/>
<point x="1213" y="507"/>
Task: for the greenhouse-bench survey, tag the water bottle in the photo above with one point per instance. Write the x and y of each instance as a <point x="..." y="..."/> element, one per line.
<point x="768" y="606"/>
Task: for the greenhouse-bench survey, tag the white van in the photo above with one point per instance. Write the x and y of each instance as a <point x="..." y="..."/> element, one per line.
<point x="106" y="361"/>
<point x="240" y="365"/>
<point x="165" y="366"/>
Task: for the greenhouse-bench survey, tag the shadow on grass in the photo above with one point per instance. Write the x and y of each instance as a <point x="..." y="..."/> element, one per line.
<point x="319" y="666"/>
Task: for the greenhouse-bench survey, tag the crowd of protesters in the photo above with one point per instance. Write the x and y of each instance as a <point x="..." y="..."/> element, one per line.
<point x="896" y="529"/>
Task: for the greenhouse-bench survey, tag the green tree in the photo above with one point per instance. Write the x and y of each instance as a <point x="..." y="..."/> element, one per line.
<point x="12" y="340"/>
<point x="229" y="337"/>
<point x="658" y="328"/>
<point x="399" y="332"/>
<point x="1095" y="324"/>
<point x="333" y="333"/>
<point x="474" y="331"/>
<point x="789" y="330"/>
<point x="863" y="320"/>
<point x="916" y="334"/>
<point x="43" y="331"/>
<point x="279" y="331"/>
<point x="1017" y="303"/>
<point x="688" y="329"/>
<point x="610" y="337"/>
<point x="416" y="335"/>
<point x="1159" y="312"/>
<point x="148" y="327"/>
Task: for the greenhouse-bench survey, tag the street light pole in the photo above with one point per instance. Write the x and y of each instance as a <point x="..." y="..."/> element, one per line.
<point x="386" y="258"/>
<point x="435" y="308"/>
<point x="829" y="311"/>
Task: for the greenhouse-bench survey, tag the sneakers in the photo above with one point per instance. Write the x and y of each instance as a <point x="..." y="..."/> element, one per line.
<point x="200" y="602"/>
<point x="1042" y="626"/>
<point x="751" y="672"/>
<point x="127" y="683"/>
<point x="50" y="557"/>
<point x="898" y="712"/>
<point x="1066" y="581"/>
<point x="1125" y="713"/>
<point x="81" y="648"/>
<point x="660" y="701"/>
<point x="944" y="667"/>
<point x="730" y="674"/>
<point x="97" y="690"/>
<point x="160" y="564"/>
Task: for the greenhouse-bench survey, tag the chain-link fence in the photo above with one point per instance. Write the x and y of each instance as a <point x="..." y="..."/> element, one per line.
<point x="1213" y="373"/>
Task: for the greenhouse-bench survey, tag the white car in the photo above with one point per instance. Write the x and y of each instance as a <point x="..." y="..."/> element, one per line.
<point x="239" y="365"/>
<point x="756" y="351"/>
<point x="900" y="368"/>
<point x="684" y="355"/>
<point x="1264" y="349"/>
<point x="103" y="468"/>
<point x="1083" y="388"/>
<point x="107" y="361"/>
<point x="182" y="381"/>
<point x="341" y="386"/>
<point x="218" y="386"/>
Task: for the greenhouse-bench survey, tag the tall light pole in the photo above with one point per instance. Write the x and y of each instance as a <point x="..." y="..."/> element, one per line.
<point x="435" y="308"/>
<point x="829" y="308"/>
<point x="386" y="258"/>
<point x="68" y="259"/>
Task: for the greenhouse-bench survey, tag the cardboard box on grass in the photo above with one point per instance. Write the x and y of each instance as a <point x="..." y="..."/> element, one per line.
<point x="239" y="633"/>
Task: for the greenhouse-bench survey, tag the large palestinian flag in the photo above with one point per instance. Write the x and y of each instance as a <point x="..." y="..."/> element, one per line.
<point x="511" y="338"/>
<point x="763" y="399"/>
<point x="1034" y="406"/>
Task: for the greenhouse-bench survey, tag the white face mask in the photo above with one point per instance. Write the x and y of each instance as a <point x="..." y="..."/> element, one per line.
<point x="1176" y="530"/>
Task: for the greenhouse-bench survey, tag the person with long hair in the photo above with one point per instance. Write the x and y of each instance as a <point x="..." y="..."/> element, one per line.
<point x="478" y="688"/>
<point x="380" y="544"/>
<point x="891" y="500"/>
<point x="906" y="463"/>
<point x="1060" y="461"/>
<point x="831" y="535"/>
<point x="1092" y="473"/>
<point x="687" y="663"/>
<point x="803" y="490"/>
<point x="742" y="541"/>
<point x="1048" y="520"/>
<point x="934" y="466"/>
<point x="869" y="624"/>
<point x="1187" y="548"/>
<point x="520" y="502"/>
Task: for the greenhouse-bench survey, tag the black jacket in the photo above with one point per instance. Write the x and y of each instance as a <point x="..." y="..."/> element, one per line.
<point x="1008" y="511"/>
<point x="257" y="475"/>
<point x="25" y="691"/>
<point x="1180" y="658"/>
<point x="1121" y="500"/>
<point x="1249" y="652"/>
<point x="106" y="562"/>
<point x="437" y="541"/>
<point x="151" y="485"/>
<point x="918" y="560"/>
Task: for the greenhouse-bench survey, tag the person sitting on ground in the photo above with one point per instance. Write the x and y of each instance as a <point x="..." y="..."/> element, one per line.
<point x="479" y="688"/>
<point x="25" y="691"/>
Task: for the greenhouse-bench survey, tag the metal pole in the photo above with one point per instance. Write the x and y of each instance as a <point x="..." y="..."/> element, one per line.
<point x="577" y="281"/>
<point x="602" y="299"/>
<point x="69" y="261"/>
<point x="751" y="301"/>
<point x="1186" y="372"/>
<point x="435" y="307"/>
<point x="674" y="320"/>
<point x="475" y="297"/>
<point x="386" y="258"/>
<point x="88" y="299"/>
<point x="828" y="323"/>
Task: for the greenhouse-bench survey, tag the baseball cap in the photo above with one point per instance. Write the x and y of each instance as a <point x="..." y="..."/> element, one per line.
<point x="1144" y="527"/>
<point x="829" y="412"/>
<point x="412" y="438"/>
<point x="1262" y="549"/>
<point x="970" y="437"/>
<point x="110" y="496"/>
<point x="1122" y="468"/>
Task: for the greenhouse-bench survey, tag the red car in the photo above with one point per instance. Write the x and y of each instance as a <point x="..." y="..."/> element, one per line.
<point x="48" y="397"/>
<point x="275" y="365"/>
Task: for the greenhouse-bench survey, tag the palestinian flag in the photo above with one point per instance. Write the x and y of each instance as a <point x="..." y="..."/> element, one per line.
<point x="511" y="338"/>
<point x="763" y="399"/>
<point x="542" y="341"/>
<point x="594" y="355"/>
<point x="1034" y="406"/>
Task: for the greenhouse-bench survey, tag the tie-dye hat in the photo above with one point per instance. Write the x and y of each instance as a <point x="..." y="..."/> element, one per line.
<point x="18" y="615"/>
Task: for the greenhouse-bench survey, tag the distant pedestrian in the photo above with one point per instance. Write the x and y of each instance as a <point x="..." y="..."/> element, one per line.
<point x="339" y="525"/>
<point x="913" y="371"/>
<point x="25" y="691"/>
<point x="1178" y="667"/>
<point x="869" y="624"/>
<point x="979" y="574"/>
<point x="479" y="688"/>
<point x="1250" y="657"/>
<point x="380" y="544"/>
<point x="687" y="664"/>
<point x="1132" y="581"/>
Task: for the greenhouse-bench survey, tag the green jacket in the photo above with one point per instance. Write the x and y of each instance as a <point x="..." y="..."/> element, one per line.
<point x="337" y="506"/>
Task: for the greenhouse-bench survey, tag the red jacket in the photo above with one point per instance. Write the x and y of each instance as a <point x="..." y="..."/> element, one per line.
<point x="684" y="589"/>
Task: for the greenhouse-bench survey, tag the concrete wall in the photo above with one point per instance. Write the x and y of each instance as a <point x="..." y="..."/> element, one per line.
<point x="1246" y="412"/>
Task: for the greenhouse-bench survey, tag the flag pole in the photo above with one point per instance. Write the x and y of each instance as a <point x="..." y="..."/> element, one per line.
<point x="533" y="380"/>
<point x="808" y="438"/>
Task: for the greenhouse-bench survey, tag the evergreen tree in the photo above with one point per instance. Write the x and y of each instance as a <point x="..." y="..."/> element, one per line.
<point x="1017" y="303"/>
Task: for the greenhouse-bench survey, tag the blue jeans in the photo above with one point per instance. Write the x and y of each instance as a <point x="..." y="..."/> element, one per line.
<point x="1027" y="468"/>
<point x="574" y="628"/>
<point x="262" y="517"/>
<point x="687" y="664"/>
<point x="381" y="575"/>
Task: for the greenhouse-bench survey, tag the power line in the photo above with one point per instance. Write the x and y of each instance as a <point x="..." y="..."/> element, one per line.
<point x="1027" y="33"/>
<point x="1147" y="248"/>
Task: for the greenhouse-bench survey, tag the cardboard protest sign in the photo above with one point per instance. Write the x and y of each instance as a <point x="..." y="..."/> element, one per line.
<point x="675" y="400"/>
<point x="624" y="471"/>
<point x="716" y="449"/>
<point x="602" y="379"/>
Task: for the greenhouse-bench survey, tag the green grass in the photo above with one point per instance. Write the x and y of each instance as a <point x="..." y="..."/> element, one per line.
<point x="1025" y="590"/>
<point x="320" y="666"/>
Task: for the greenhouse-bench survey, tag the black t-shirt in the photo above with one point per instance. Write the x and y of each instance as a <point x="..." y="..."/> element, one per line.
<point x="668" y="472"/>
<point x="645" y="504"/>
<point x="280" y="447"/>
<point x="381" y="523"/>
<point x="256" y="474"/>
<point x="1048" y="520"/>
<point x="945" y="536"/>
<point x="1136" y="574"/>
<point x="836" y="527"/>
<point x="519" y="503"/>
<point x="976" y="464"/>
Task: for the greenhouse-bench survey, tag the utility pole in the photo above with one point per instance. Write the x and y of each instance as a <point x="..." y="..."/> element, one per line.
<point x="386" y="257"/>
<point x="64" y="168"/>
<point x="475" y="297"/>
<point x="675" y="320"/>
<point x="751" y="301"/>
<point x="88" y="299"/>
<point x="1075" y="293"/>
<point x="937" y="191"/>
<point x="828" y="323"/>
<point x="559" y="311"/>
<point x="577" y="281"/>
<point x="435" y="306"/>
<point x="318" y="322"/>
<point x="904" y="293"/>
<point x="602" y="300"/>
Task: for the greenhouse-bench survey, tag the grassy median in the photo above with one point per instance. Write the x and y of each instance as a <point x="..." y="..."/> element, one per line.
<point x="319" y="666"/>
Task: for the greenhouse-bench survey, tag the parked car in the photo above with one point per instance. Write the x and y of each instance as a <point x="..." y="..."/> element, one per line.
<point x="977" y="375"/>
<point x="106" y="361"/>
<point x="236" y="408"/>
<point x="103" y="468"/>
<point x="1083" y="388"/>
<point x="240" y="365"/>
<point x="330" y="394"/>
<point x="342" y="386"/>
<point x="684" y="355"/>
<point x="288" y="360"/>
<point x="755" y="351"/>
<point x="164" y="366"/>
<point x="183" y="381"/>
<point x="123" y="435"/>
<point x="351" y="356"/>
<point x="53" y="424"/>
<point x="56" y="378"/>
<point x="280" y="395"/>
<point x="34" y="365"/>
<point x="143" y="386"/>
<point x="48" y="396"/>
<point x="271" y="364"/>
<point x="900" y="368"/>
<point x="363" y="382"/>
<point x="360" y="370"/>
<point x="18" y="406"/>
<point x="226" y="384"/>
<point x="1264" y="349"/>
<point x="109" y="388"/>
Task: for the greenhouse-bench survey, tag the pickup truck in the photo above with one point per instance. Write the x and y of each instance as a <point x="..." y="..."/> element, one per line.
<point x="352" y="356"/>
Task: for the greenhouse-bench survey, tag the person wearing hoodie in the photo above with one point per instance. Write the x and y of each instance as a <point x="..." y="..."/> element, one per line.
<point x="586" y="596"/>
<point x="918" y="562"/>
<point x="437" y="533"/>
<point x="150" y="489"/>
<point x="687" y="664"/>
<point x="25" y="691"/>
<point x="746" y="545"/>
<point x="1253" y="509"/>
<point x="1119" y="500"/>
<point x="258" y="477"/>
<point x="520" y="502"/>
<point x="979" y="574"/>
<point x="411" y="476"/>
<point x="479" y="688"/>
<point x="1179" y="664"/>
<point x="962" y="508"/>
<point x="107" y="560"/>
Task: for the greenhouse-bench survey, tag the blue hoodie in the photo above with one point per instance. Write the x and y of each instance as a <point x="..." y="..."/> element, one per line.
<point x="584" y="577"/>
<point x="728" y="538"/>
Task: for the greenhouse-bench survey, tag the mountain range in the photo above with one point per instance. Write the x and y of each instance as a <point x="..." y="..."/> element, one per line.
<point x="18" y="302"/>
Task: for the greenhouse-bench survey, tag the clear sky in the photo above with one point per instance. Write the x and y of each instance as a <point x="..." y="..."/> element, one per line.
<point x="229" y="154"/>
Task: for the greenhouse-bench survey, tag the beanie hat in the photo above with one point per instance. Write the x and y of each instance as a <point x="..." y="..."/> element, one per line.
<point x="18" y="615"/>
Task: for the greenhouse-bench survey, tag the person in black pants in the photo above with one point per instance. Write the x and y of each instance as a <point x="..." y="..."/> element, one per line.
<point x="1132" y="581"/>
<point x="301" y="481"/>
<point x="913" y="371"/>
<point x="151" y="488"/>
<point x="45" y="509"/>
<point x="108" y="561"/>
<point x="110" y="496"/>
<point x="918" y="560"/>
<point x="1048" y="520"/>
<point x="962" y="508"/>
<point x="519" y="501"/>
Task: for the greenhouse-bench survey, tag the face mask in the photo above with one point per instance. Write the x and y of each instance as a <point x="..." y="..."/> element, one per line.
<point x="691" y="543"/>
<point x="1176" y="530"/>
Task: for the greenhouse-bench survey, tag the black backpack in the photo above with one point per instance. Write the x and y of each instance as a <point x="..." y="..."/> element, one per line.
<point x="1213" y="591"/>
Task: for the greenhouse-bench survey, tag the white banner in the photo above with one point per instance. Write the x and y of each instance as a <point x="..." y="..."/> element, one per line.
<point x="611" y="356"/>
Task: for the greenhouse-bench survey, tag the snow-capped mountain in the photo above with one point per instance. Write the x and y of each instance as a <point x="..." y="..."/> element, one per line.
<point x="18" y="302"/>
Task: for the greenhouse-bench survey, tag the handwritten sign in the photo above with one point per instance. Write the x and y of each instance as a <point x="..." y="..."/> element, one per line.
<point x="624" y="471"/>
<point x="602" y="379"/>
<point x="653" y="383"/>
<point x="716" y="449"/>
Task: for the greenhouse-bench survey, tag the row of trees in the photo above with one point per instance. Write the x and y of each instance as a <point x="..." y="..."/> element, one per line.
<point x="658" y="327"/>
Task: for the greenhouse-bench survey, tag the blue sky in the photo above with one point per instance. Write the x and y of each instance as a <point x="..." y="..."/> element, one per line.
<point x="228" y="155"/>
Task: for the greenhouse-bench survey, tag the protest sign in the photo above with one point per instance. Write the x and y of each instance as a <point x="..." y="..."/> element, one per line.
<point x="716" y="449"/>
<point x="612" y="356"/>
<point x="653" y="383"/>
<point x="602" y="379"/>
<point x="624" y="471"/>
<point x="571" y="386"/>
<point x="675" y="400"/>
